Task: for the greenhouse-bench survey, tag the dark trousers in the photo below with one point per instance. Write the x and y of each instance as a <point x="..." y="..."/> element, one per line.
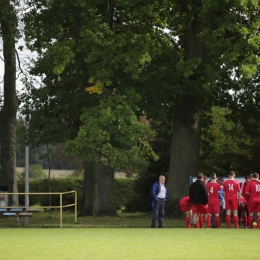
<point x="158" y="212"/>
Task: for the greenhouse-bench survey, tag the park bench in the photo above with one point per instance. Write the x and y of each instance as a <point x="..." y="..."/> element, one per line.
<point x="19" y="213"/>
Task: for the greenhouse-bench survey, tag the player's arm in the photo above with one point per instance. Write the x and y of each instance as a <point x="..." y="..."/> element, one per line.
<point x="239" y="197"/>
<point x="247" y="195"/>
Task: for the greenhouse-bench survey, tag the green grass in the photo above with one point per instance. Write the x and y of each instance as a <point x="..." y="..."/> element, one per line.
<point x="127" y="243"/>
<point x="128" y="236"/>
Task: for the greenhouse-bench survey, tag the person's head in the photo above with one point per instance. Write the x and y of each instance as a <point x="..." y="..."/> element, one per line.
<point x="250" y="176"/>
<point x="162" y="179"/>
<point x="247" y="178"/>
<point x="241" y="205"/>
<point x="213" y="176"/>
<point x="205" y="178"/>
<point x="255" y="175"/>
<point x="221" y="180"/>
<point x="200" y="176"/>
<point x="231" y="175"/>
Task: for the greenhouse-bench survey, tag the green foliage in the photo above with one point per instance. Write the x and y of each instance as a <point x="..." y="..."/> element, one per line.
<point x="112" y="133"/>
<point x="123" y="191"/>
<point x="224" y="144"/>
<point x="35" y="172"/>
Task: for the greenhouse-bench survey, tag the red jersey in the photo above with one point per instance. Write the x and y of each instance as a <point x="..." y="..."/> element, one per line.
<point x="213" y="188"/>
<point x="253" y="189"/>
<point x="231" y="188"/>
<point x="185" y="204"/>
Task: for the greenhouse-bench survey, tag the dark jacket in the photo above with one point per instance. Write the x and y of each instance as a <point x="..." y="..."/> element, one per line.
<point x="198" y="193"/>
<point x="156" y="190"/>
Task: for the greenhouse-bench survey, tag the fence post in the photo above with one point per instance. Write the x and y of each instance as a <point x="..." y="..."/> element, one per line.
<point x="60" y="210"/>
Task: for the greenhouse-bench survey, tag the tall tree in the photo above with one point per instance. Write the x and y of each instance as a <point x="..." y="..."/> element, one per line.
<point x="180" y="55"/>
<point x="8" y="112"/>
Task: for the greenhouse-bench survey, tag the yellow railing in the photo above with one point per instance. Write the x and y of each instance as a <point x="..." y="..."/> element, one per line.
<point x="46" y="207"/>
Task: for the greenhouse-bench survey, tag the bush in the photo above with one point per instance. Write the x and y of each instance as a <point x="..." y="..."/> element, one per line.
<point x="123" y="191"/>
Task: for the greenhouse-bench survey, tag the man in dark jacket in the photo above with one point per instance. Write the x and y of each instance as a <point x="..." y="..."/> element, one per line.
<point x="160" y="195"/>
<point x="198" y="198"/>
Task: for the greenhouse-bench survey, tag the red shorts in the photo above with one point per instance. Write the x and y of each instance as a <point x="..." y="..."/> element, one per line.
<point x="231" y="203"/>
<point x="214" y="208"/>
<point x="199" y="209"/>
<point x="184" y="207"/>
<point x="253" y="206"/>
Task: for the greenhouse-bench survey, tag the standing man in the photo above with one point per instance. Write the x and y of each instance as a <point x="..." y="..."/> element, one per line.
<point x="252" y="192"/>
<point x="160" y="195"/>
<point x="231" y="193"/>
<point x="213" y="204"/>
<point x="198" y="198"/>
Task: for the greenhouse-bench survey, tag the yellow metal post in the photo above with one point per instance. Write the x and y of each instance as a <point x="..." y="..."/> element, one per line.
<point x="76" y="206"/>
<point x="60" y="210"/>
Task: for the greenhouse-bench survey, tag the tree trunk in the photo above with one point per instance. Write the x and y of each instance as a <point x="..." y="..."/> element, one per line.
<point x="184" y="152"/>
<point x="184" y="160"/>
<point x="86" y="199"/>
<point x="11" y="103"/>
<point x="98" y="198"/>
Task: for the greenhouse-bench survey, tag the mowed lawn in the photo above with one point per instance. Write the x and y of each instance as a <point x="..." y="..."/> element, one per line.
<point x="128" y="243"/>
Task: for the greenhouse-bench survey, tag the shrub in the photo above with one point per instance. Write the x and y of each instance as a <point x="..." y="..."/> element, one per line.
<point x="123" y="191"/>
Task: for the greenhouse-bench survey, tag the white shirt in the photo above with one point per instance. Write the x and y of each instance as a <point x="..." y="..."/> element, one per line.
<point x="162" y="193"/>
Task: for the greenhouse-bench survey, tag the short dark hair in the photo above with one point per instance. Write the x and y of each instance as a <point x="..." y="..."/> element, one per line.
<point x="231" y="173"/>
<point x="213" y="175"/>
<point x="255" y="175"/>
<point x="200" y="176"/>
<point x="220" y="178"/>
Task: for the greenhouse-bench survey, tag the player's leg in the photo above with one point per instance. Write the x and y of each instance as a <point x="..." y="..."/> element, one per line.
<point x="195" y="215"/>
<point x="187" y="218"/>
<point x="235" y="218"/>
<point x="228" y="212"/>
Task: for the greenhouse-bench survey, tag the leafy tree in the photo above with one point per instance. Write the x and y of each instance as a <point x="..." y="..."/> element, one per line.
<point x="111" y="136"/>
<point x="181" y="56"/>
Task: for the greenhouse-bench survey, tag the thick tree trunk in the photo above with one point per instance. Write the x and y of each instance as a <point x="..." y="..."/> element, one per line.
<point x="184" y="160"/>
<point x="98" y="198"/>
<point x="184" y="152"/>
<point x="86" y="199"/>
<point x="11" y="103"/>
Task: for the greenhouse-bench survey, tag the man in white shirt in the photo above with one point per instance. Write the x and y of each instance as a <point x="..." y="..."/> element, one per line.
<point x="160" y="195"/>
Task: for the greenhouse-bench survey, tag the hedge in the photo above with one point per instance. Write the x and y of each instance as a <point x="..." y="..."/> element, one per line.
<point x="123" y="191"/>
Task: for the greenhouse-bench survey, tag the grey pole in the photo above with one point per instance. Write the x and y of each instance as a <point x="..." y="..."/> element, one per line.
<point x="26" y="179"/>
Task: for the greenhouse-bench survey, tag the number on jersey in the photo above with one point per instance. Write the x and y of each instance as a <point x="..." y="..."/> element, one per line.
<point x="231" y="187"/>
<point x="257" y="188"/>
<point x="211" y="190"/>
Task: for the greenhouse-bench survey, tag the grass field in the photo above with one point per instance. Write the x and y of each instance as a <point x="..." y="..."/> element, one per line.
<point x="125" y="237"/>
<point x="128" y="243"/>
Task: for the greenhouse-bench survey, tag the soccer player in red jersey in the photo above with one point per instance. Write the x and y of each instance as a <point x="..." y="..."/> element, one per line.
<point x="231" y="193"/>
<point x="213" y="201"/>
<point x="253" y="199"/>
<point x="242" y="208"/>
<point x="185" y="207"/>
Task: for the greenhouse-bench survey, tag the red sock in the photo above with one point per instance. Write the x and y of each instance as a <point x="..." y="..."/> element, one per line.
<point x="245" y="221"/>
<point x="217" y="221"/>
<point x="201" y="222"/>
<point x="250" y="221"/>
<point x="208" y="221"/>
<point x="195" y="225"/>
<point x="236" y="221"/>
<point x="187" y="221"/>
<point x="228" y="221"/>
<point x="258" y="222"/>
